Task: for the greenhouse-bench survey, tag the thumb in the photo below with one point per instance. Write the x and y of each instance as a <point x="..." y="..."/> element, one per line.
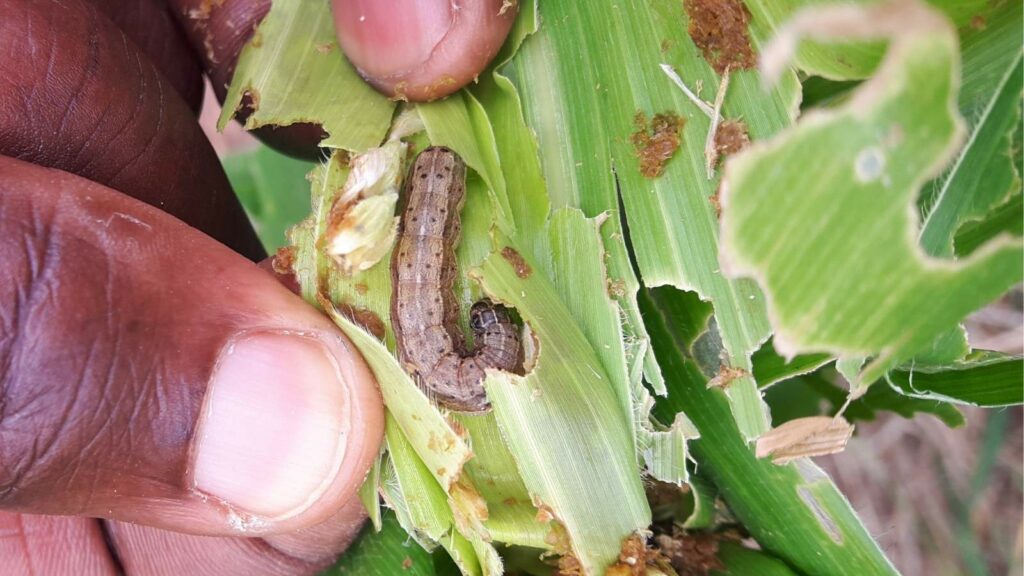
<point x="149" y="374"/>
<point x="425" y="49"/>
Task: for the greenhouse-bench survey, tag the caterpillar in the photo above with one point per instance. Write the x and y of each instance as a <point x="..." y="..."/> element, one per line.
<point x="424" y="311"/>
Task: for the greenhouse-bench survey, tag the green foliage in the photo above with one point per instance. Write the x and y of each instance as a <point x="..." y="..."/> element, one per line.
<point x="819" y="213"/>
<point x="273" y="189"/>
<point x="293" y="71"/>
<point x="789" y="226"/>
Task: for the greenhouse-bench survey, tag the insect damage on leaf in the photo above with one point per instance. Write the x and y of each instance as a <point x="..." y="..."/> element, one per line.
<point x="731" y="137"/>
<point x="517" y="261"/>
<point x="692" y="554"/>
<point x="632" y="558"/>
<point x="719" y="29"/>
<point x="366" y="319"/>
<point x="805" y="437"/>
<point x="841" y="185"/>
<point x="726" y="375"/>
<point x="656" y="143"/>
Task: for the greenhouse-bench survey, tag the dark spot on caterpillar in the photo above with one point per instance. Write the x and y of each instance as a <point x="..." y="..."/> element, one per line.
<point x="441" y="364"/>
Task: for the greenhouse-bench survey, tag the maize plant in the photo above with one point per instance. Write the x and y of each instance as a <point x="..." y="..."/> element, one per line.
<point x="666" y="207"/>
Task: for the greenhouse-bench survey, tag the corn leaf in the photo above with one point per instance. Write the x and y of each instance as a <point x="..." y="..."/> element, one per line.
<point x="984" y="379"/>
<point x="850" y="59"/>
<point x="794" y="511"/>
<point x="549" y="417"/>
<point x="293" y="71"/>
<point x="273" y="189"/>
<point x="888" y="299"/>
<point x="983" y="175"/>
<point x="1002" y="220"/>
<point x="819" y="393"/>
<point x="389" y="552"/>
<point x="583" y="78"/>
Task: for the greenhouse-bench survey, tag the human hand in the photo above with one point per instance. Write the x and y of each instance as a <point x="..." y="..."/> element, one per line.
<point x="150" y="374"/>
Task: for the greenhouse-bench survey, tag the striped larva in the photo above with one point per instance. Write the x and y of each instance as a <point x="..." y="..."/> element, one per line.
<point x="424" y="311"/>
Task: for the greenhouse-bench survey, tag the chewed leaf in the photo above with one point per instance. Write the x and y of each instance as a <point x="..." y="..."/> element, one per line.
<point x="805" y="437"/>
<point x="293" y="71"/>
<point x="840" y="188"/>
<point x="437" y="445"/>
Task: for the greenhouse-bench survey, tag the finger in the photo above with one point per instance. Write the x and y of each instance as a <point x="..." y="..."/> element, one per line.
<point x="152" y="27"/>
<point x="144" y="550"/>
<point x="76" y="95"/>
<point x="425" y="49"/>
<point x="150" y="375"/>
<point x="53" y="545"/>
<point x="218" y="31"/>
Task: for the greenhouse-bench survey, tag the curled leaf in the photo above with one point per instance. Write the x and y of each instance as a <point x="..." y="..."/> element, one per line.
<point x="805" y="437"/>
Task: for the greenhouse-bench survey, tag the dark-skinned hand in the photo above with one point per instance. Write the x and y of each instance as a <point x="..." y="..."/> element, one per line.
<point x="166" y="405"/>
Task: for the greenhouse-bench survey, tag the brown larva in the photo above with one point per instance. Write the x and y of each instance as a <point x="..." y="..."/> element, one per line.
<point x="423" y="308"/>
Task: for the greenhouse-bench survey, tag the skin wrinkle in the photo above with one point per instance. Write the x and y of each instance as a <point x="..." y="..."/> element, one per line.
<point x="92" y="61"/>
<point x="90" y="67"/>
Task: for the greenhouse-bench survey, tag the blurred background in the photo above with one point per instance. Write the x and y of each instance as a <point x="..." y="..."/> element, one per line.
<point x="939" y="501"/>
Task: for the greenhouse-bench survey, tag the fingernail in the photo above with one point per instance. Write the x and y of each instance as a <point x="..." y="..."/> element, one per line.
<point x="272" y="434"/>
<point x="384" y="37"/>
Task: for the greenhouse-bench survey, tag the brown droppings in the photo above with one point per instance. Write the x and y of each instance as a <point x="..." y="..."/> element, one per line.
<point x="407" y="563"/>
<point x="366" y="319"/>
<point x="691" y="554"/>
<point x="282" y="264"/>
<point x="616" y="288"/>
<point x="731" y="137"/>
<point x="361" y="288"/>
<point x="283" y="261"/>
<point x="632" y="558"/>
<point x="716" y="200"/>
<point x="569" y="565"/>
<point x="324" y="47"/>
<point x="656" y="144"/>
<point x="517" y="261"/>
<point x="978" y="22"/>
<point x="726" y="375"/>
<point x="719" y="29"/>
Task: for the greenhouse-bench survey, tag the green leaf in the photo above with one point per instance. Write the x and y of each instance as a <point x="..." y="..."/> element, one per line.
<point x="1004" y="219"/>
<point x="821" y="215"/>
<point x="852" y="58"/>
<point x="983" y="174"/>
<point x="794" y="511"/>
<point x="818" y="394"/>
<point x="770" y="367"/>
<point x="548" y="418"/>
<point x="273" y="189"/>
<point x="390" y="552"/>
<point x="742" y="561"/>
<point x="293" y="71"/>
<point x="512" y="517"/>
<point x="983" y="379"/>
<point x="460" y="123"/>
<point x="583" y="78"/>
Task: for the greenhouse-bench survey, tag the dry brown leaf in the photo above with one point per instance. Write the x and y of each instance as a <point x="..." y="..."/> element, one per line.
<point x="805" y="437"/>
